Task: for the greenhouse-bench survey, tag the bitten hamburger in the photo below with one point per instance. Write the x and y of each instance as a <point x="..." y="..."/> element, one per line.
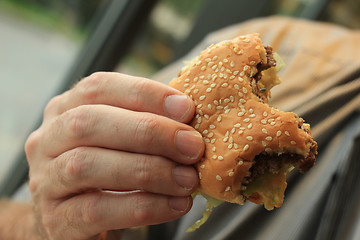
<point x="250" y="146"/>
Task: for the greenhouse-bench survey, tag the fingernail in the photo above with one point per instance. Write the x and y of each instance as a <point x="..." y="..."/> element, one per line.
<point x="185" y="176"/>
<point x="177" y="106"/>
<point x="189" y="143"/>
<point x="179" y="204"/>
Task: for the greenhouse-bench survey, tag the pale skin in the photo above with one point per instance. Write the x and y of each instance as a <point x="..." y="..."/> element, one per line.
<point x="112" y="153"/>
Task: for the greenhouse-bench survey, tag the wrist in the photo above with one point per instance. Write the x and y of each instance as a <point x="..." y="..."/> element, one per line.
<point x="17" y="221"/>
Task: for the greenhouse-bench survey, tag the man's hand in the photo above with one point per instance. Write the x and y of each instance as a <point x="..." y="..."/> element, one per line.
<point x="112" y="153"/>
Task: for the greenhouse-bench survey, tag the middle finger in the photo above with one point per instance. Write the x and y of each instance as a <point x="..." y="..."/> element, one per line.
<point x="120" y="129"/>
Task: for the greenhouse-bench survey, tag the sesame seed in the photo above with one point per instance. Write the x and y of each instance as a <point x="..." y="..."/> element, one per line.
<point x="219" y="118"/>
<point x="196" y="90"/>
<point x="208" y="90"/>
<point x="240" y="114"/>
<point x="240" y="94"/>
<point x="264" y="143"/>
<point x="265" y="114"/>
<point x="264" y="130"/>
<point x="198" y="63"/>
<point x="218" y="178"/>
<point x="205" y="132"/>
<point x="202" y="166"/>
<point x="199" y="120"/>
<point x="202" y="77"/>
<point x="210" y="135"/>
<point x="263" y="121"/>
<point x="214" y="157"/>
<point x="272" y="111"/>
<point x="246" y="147"/>
<point x="206" y="140"/>
<point x="268" y="150"/>
<point x="249" y="126"/>
<point x="252" y="62"/>
<point x="232" y="64"/>
<point x="236" y="86"/>
<point x="225" y="60"/>
<point x="252" y="115"/>
<point x="199" y="105"/>
<point x="219" y="107"/>
<point x="187" y="91"/>
<point x="214" y="148"/>
<point x="220" y="64"/>
<point x="244" y="90"/>
<point x="226" y="139"/>
<point x="206" y="116"/>
<point x="240" y="162"/>
<point x="271" y="120"/>
<point x="230" y="146"/>
<point x="214" y="58"/>
<point x="195" y="79"/>
<point x="186" y="85"/>
<point x="268" y="138"/>
<point x="220" y="158"/>
<point x="231" y="140"/>
<point x="287" y="133"/>
<point x="224" y="84"/>
<point x="235" y="73"/>
<point x="242" y="74"/>
<point x="187" y="80"/>
<point x="227" y="188"/>
<point x="242" y="101"/>
<point x="209" y="106"/>
<point x="213" y="140"/>
<point x="250" y="138"/>
<point x="205" y="82"/>
<point x="197" y="126"/>
<point x="237" y="125"/>
<point x="278" y="133"/>
<point x="240" y="132"/>
<point x="213" y="85"/>
<point x="227" y="111"/>
<point x="202" y="97"/>
<point x="200" y="175"/>
<point x="246" y="67"/>
<point x="293" y="142"/>
<point x="214" y="67"/>
<point x="207" y="59"/>
<point x="227" y="134"/>
<point x="257" y="47"/>
<point x="247" y="120"/>
<point x="236" y="146"/>
<point x="232" y="99"/>
<point x="272" y="123"/>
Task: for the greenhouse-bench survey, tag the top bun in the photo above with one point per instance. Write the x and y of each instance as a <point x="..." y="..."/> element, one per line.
<point x="245" y="138"/>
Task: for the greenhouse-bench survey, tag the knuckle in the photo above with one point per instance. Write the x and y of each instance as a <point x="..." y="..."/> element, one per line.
<point x="79" y="121"/>
<point x="146" y="129"/>
<point x="89" y="211"/>
<point x="143" y="213"/>
<point x="32" y="144"/>
<point x="52" y="106"/>
<point x="142" y="171"/>
<point x="76" y="165"/>
<point x="140" y="87"/>
<point x="91" y="87"/>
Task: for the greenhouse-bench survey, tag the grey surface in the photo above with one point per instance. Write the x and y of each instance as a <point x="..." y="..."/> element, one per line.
<point x="33" y="62"/>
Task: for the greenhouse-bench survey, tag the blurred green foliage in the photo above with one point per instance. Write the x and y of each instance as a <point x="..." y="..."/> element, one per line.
<point x="71" y="17"/>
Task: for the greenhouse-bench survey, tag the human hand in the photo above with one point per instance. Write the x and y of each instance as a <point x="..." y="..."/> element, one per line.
<point x="112" y="153"/>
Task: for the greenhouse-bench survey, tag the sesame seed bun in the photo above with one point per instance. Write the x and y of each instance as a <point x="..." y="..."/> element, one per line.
<point x="250" y="146"/>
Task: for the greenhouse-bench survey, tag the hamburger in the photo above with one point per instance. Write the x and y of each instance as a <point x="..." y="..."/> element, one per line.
<point x="250" y="146"/>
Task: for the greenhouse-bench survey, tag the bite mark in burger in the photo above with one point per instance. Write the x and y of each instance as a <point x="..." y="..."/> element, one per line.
<point x="250" y="146"/>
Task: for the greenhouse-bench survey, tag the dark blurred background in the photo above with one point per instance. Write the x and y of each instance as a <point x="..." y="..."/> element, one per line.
<point x="40" y="41"/>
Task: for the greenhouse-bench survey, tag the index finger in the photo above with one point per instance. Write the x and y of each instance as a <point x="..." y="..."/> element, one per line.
<point x="124" y="91"/>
